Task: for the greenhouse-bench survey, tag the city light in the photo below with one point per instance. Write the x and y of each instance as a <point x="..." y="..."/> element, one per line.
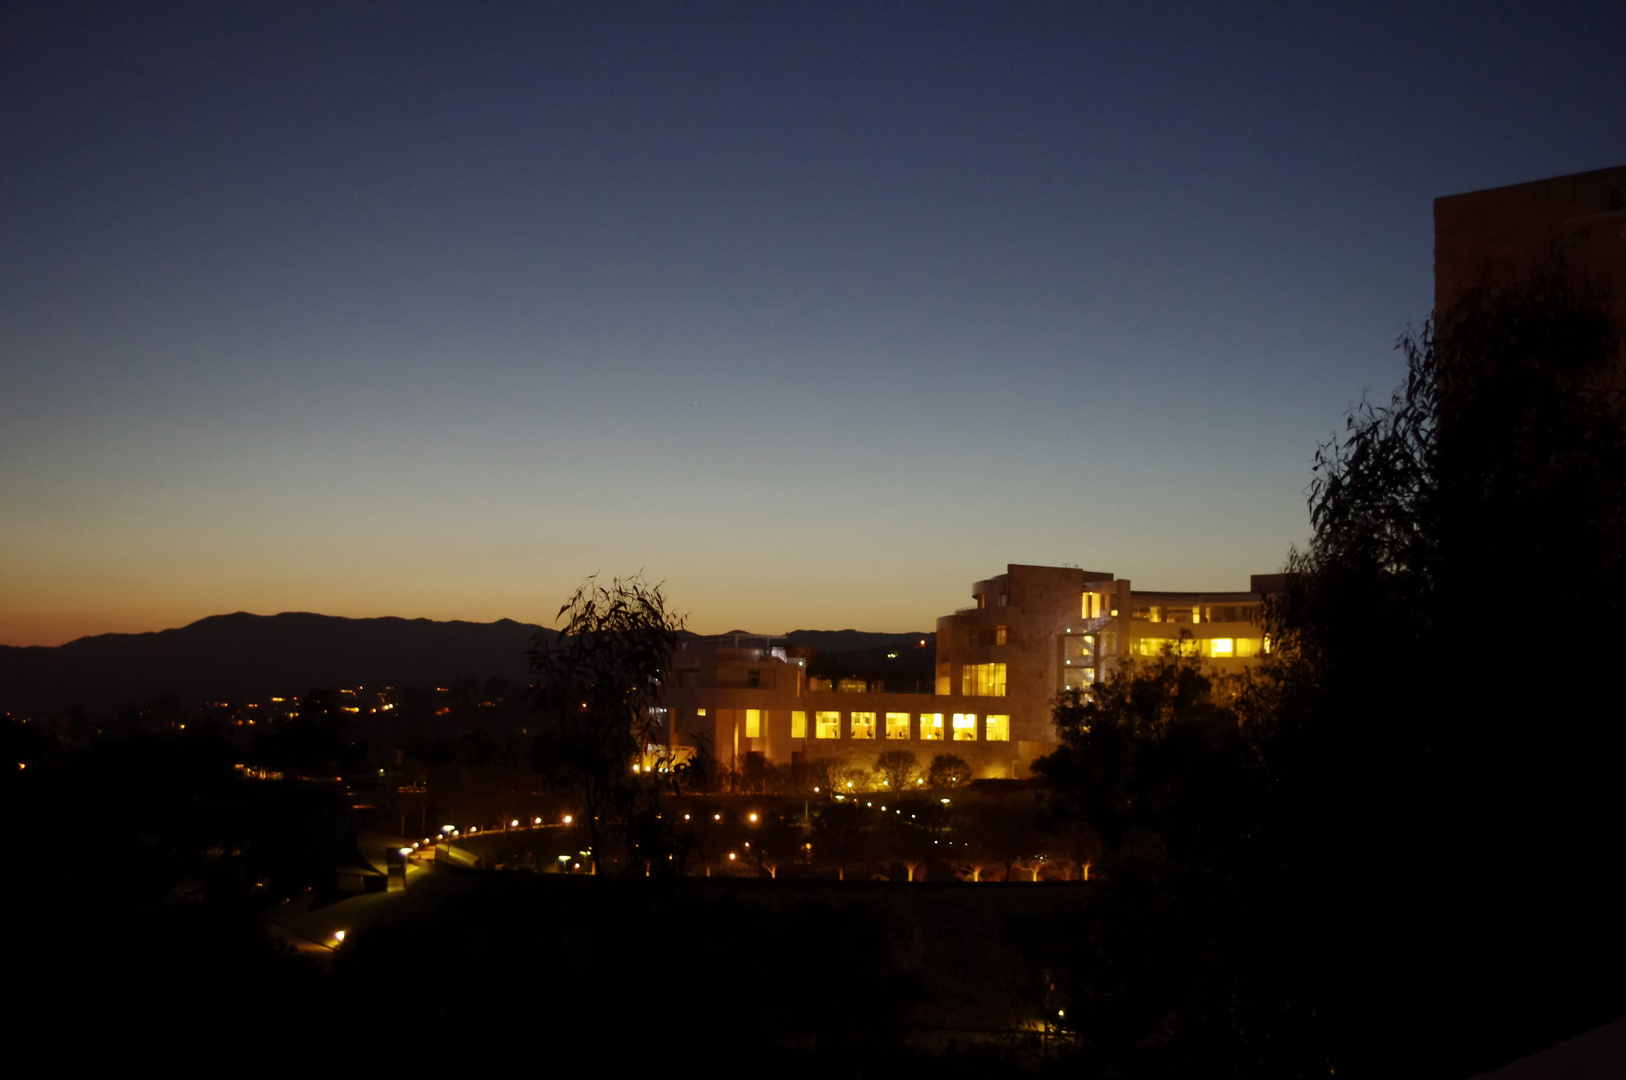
<point x="568" y="819"/>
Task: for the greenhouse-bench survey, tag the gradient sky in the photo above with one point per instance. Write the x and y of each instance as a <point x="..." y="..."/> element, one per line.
<point x="816" y="313"/>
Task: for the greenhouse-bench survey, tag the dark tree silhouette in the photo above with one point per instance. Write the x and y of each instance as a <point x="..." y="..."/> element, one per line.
<point x="948" y="771"/>
<point x="1429" y="709"/>
<point x="598" y="687"/>
<point x="898" y="768"/>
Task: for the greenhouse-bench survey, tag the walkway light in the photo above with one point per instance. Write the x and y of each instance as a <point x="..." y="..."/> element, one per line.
<point x="568" y="819"/>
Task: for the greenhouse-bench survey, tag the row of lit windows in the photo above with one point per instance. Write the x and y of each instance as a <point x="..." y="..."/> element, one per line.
<point x="1223" y="648"/>
<point x="1197" y="614"/>
<point x="962" y="727"/>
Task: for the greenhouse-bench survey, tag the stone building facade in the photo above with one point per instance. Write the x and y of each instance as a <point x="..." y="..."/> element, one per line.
<point x="1573" y="227"/>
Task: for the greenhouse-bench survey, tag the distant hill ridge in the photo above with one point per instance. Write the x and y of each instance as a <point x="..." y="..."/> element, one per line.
<point x="241" y="655"/>
<point x="231" y="657"/>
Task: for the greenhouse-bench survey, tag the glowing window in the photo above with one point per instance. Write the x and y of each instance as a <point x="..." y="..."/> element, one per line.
<point x="998" y="727"/>
<point x="944" y="679"/>
<point x="863" y="725"/>
<point x="931" y="725"/>
<point x="753" y="723"/>
<point x="1000" y="635"/>
<point x="897" y="725"/>
<point x="827" y="725"/>
<point x="798" y="725"/>
<point x="965" y="727"/>
<point x="700" y="712"/>
<point x="1222" y="646"/>
<point x="983" y="680"/>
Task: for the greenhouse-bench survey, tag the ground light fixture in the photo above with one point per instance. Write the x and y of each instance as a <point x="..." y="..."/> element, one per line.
<point x="568" y="819"/>
<point x="338" y="937"/>
<point x="406" y="851"/>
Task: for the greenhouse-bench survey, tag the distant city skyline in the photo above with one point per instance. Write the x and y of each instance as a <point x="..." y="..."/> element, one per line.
<point x="814" y="313"/>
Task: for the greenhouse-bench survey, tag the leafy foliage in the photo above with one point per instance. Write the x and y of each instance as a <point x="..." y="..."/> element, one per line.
<point x="1428" y="708"/>
<point x="948" y="771"/>
<point x="898" y="769"/>
<point x="598" y="687"/>
<point x="1381" y="854"/>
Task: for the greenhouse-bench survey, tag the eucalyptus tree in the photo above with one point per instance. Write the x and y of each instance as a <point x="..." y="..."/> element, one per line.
<point x="597" y="688"/>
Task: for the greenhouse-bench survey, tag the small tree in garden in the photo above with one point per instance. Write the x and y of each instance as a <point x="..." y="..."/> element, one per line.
<point x="897" y="769"/>
<point x="598" y="687"/>
<point x="948" y="771"/>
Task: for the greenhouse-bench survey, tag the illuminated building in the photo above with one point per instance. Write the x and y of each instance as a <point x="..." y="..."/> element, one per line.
<point x="1034" y="631"/>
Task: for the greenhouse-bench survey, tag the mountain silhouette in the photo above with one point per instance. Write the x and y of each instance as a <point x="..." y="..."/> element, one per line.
<point x="231" y="657"/>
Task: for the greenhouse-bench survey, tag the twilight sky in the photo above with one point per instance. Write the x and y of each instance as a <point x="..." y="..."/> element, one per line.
<point x="816" y="312"/>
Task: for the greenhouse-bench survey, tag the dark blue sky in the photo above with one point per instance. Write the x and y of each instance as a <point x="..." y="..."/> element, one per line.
<point x="816" y="312"/>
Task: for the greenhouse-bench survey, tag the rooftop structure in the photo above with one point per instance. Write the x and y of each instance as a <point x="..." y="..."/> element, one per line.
<point x="1571" y="226"/>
